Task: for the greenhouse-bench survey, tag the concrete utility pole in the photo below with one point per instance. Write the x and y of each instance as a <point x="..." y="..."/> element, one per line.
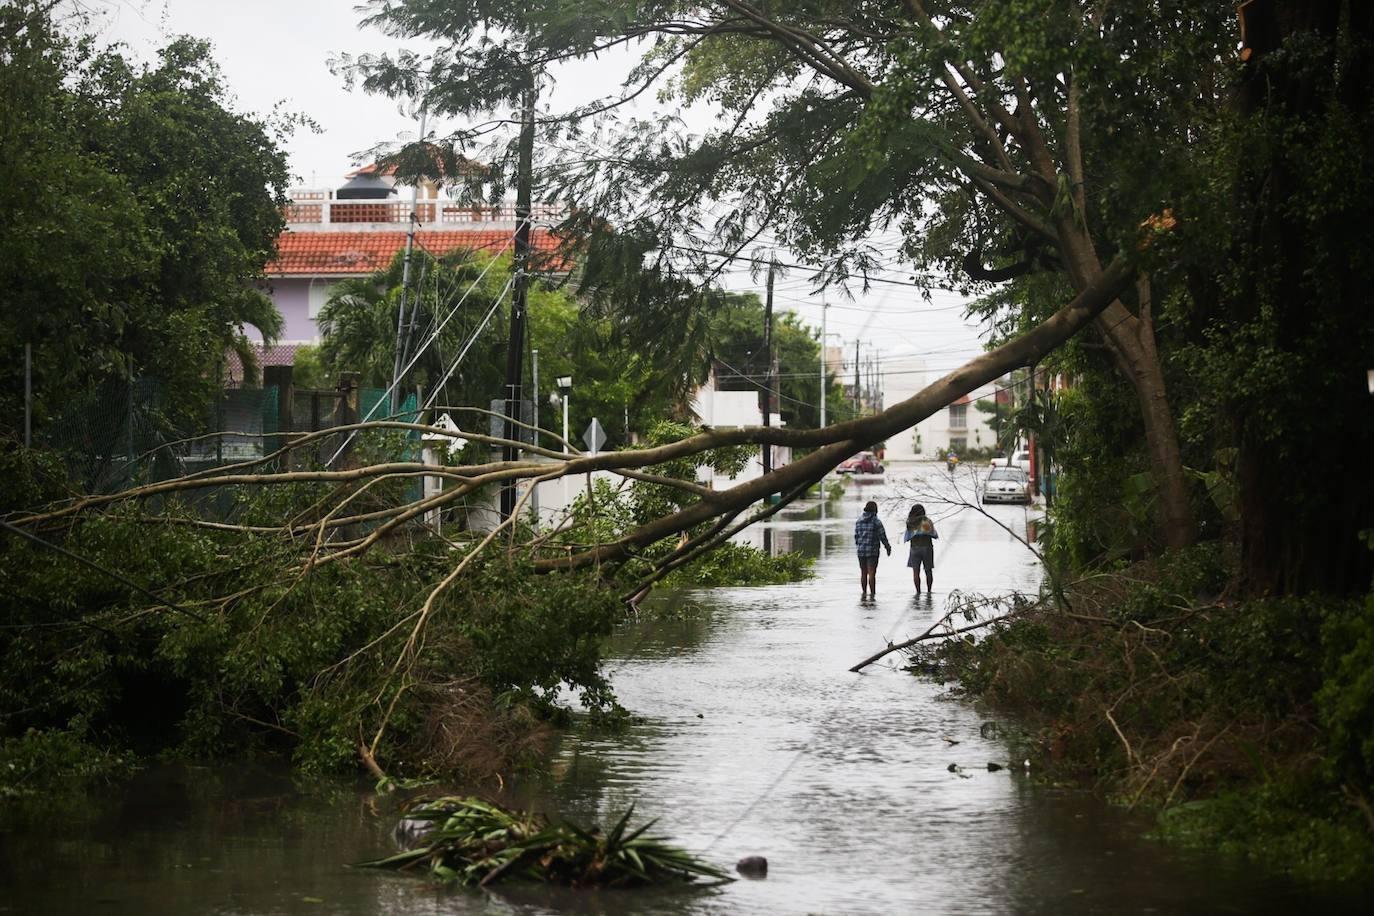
<point x="767" y="393"/>
<point x="403" y="324"/>
<point x="514" y="355"/>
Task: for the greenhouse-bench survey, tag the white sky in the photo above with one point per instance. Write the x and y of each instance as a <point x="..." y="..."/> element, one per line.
<point x="276" y="51"/>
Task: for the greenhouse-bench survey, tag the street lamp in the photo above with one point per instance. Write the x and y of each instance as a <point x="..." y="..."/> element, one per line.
<point x="564" y="383"/>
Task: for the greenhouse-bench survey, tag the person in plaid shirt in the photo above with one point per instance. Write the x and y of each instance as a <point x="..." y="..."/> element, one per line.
<point x="868" y="534"/>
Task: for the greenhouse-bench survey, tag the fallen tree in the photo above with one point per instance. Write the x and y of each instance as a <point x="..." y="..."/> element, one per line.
<point x="350" y="542"/>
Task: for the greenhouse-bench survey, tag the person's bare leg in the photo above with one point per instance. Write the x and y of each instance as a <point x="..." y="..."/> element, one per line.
<point x="916" y="577"/>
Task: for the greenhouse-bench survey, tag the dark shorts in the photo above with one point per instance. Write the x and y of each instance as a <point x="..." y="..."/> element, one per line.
<point x="922" y="556"/>
<point x="866" y="562"/>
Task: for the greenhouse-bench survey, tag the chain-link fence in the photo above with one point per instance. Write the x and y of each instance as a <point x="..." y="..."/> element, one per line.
<point x="120" y="435"/>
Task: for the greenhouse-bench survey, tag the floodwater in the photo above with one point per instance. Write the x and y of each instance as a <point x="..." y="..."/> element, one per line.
<point x="753" y="739"/>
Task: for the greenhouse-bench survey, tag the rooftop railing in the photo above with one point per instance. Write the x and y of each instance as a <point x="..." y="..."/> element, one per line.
<point x="312" y="208"/>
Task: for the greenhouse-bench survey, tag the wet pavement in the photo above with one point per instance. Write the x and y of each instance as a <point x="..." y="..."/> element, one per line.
<point x="753" y="739"/>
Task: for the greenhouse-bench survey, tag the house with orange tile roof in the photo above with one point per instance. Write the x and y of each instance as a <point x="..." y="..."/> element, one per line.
<point x="355" y="230"/>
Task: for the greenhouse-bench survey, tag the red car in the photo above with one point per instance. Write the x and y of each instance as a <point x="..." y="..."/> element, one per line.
<point x="862" y="463"/>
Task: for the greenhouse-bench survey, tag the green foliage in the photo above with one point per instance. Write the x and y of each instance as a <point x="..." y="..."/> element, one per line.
<point x="607" y="513"/>
<point x="741" y="564"/>
<point x="35" y="760"/>
<point x="1346" y="698"/>
<point x="284" y="660"/>
<point x="611" y="373"/>
<point x="1292" y="822"/>
<point x="472" y="842"/>
<point x="140" y="211"/>
<point x="736" y="330"/>
<point x="1244" y="687"/>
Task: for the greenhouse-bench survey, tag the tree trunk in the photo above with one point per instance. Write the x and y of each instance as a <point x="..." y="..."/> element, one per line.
<point x="1131" y="341"/>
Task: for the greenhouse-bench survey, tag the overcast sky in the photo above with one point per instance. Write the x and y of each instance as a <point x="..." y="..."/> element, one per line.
<point x="277" y="51"/>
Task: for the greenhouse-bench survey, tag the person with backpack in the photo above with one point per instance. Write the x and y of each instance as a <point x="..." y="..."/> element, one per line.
<point x="868" y="534"/>
<point x="920" y="531"/>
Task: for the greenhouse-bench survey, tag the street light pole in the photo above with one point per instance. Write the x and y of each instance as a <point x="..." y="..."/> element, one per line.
<point x="564" y="383"/>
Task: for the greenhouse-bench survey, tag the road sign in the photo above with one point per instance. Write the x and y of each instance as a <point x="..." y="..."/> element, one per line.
<point x="595" y="436"/>
<point x="453" y="444"/>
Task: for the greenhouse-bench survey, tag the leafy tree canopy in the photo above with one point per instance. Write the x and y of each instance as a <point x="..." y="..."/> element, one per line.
<point x="140" y="210"/>
<point x="610" y="369"/>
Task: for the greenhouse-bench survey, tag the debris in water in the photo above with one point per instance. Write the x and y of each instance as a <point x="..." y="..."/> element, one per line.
<point x="752" y="867"/>
<point x="949" y="740"/>
<point x="994" y="767"/>
<point x="476" y="842"/>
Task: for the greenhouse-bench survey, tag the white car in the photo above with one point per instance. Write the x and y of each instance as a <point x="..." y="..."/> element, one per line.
<point x="1020" y="460"/>
<point x="1006" y="485"/>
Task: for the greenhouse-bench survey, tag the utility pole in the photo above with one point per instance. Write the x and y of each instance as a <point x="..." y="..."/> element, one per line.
<point x="514" y="355"/>
<point x="534" y="420"/>
<point x="402" y="324"/>
<point x="858" y="390"/>
<point x="824" y="306"/>
<point x="767" y="393"/>
<point x="770" y="383"/>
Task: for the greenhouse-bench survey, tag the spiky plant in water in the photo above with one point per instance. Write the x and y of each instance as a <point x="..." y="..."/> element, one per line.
<point x="473" y="842"/>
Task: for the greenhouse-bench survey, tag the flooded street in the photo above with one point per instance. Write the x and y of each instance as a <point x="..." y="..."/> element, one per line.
<point x="753" y="739"/>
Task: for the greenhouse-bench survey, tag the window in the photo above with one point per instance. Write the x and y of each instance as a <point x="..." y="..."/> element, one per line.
<point x="958" y="444"/>
<point x="958" y="416"/>
<point x="320" y="291"/>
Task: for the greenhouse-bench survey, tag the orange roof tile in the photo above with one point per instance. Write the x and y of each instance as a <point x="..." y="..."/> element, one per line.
<point x="316" y="254"/>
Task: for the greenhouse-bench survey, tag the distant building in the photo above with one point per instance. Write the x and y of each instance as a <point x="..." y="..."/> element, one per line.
<point x="960" y="425"/>
<point x="957" y="427"/>
<point x="732" y="409"/>
<point x="355" y="230"/>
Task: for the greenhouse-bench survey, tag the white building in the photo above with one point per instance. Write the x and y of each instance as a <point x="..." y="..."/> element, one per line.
<point x="727" y="409"/>
<point x="960" y="425"/>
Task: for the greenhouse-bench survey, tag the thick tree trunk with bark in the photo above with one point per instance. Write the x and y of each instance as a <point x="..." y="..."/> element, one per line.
<point x="1130" y="338"/>
<point x="1131" y="341"/>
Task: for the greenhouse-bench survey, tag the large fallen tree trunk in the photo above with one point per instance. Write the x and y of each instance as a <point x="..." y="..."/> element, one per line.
<point x="844" y="439"/>
<point x="832" y="445"/>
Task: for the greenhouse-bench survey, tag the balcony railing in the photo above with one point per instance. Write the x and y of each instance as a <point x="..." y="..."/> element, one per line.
<point x="310" y="208"/>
